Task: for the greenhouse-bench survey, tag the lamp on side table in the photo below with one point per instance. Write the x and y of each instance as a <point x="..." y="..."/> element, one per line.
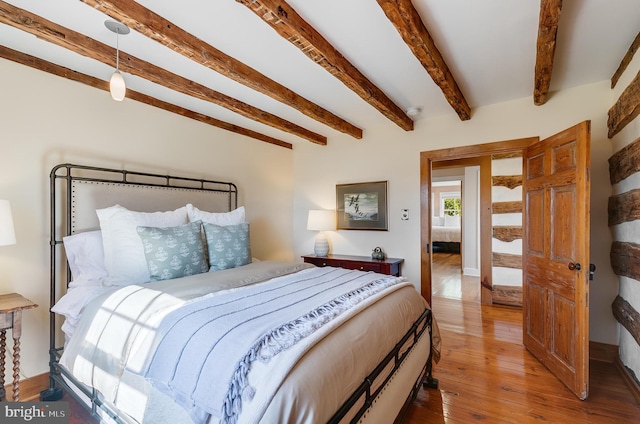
<point x="321" y="221"/>
<point x="11" y="306"/>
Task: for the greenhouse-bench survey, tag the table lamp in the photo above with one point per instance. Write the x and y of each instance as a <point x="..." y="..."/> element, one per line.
<point x="7" y="233"/>
<point x="321" y="221"/>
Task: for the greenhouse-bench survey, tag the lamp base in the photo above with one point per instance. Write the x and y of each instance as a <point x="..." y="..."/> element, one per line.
<point x="321" y="246"/>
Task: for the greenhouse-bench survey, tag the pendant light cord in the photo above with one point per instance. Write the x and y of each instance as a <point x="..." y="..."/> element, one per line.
<point x="117" y="50"/>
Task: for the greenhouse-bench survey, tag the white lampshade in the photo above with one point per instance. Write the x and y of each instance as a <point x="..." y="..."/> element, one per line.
<point x="7" y="233"/>
<point x="321" y="220"/>
<point x="117" y="87"/>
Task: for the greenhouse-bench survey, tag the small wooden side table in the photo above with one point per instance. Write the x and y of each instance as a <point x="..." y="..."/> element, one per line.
<point x="11" y="306"/>
<point x="389" y="266"/>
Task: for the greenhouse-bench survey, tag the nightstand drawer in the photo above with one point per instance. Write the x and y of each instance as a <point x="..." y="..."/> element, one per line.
<point x="390" y="266"/>
<point x="362" y="266"/>
<point x="323" y="261"/>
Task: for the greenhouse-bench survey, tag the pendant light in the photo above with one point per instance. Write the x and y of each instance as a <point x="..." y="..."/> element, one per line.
<point x="117" y="86"/>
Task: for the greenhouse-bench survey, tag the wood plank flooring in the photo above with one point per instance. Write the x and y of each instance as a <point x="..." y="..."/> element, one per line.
<point x="486" y="375"/>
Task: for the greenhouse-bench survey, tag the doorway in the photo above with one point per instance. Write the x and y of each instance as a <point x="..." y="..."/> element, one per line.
<point x="556" y="242"/>
<point x="455" y="232"/>
<point x="476" y="155"/>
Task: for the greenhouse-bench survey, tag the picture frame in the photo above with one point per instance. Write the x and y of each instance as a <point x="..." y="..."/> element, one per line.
<point x="362" y="206"/>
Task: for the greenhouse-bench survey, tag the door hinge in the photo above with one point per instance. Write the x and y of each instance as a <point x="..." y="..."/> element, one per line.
<point x="586" y="299"/>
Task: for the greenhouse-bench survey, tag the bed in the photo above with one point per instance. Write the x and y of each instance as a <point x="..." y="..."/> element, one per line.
<point x="446" y="234"/>
<point x="159" y="313"/>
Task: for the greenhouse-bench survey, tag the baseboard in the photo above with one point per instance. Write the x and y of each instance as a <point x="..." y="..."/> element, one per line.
<point x="629" y="379"/>
<point x="472" y="272"/>
<point x="603" y="352"/>
<point x="29" y="388"/>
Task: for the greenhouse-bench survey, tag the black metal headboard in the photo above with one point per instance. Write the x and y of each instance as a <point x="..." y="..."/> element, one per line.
<point x="76" y="191"/>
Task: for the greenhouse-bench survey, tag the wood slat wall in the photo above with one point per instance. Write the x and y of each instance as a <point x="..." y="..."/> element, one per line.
<point x="510" y="295"/>
<point x="507" y="260"/>
<point x="626" y="109"/>
<point x="625" y="162"/>
<point x="507" y="207"/>
<point x="507" y="233"/>
<point x="625" y="255"/>
<point x="507" y="295"/>
<point x="511" y="181"/>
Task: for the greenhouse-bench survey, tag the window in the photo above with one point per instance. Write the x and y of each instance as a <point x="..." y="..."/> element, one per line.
<point x="450" y="204"/>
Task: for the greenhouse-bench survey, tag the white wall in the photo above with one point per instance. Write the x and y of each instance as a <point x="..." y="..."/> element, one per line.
<point x="471" y="222"/>
<point x="629" y="231"/>
<point x="46" y="120"/>
<point x="390" y="153"/>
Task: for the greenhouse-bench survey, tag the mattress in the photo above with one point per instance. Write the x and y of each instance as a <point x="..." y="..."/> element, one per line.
<point x="446" y="234"/>
<point x="345" y="349"/>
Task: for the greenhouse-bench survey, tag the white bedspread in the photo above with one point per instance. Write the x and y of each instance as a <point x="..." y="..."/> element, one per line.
<point x="114" y="332"/>
<point x="446" y="234"/>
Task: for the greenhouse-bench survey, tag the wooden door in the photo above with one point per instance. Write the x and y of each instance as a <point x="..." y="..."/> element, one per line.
<point x="556" y="255"/>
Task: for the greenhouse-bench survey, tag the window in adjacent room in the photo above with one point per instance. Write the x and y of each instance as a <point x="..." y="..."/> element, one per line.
<point x="450" y="204"/>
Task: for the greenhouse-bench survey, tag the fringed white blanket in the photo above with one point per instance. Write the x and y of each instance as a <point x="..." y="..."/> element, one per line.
<point x="204" y="351"/>
<point x="121" y="330"/>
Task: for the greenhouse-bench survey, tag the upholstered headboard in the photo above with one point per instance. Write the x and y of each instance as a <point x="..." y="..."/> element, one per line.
<point x="76" y="191"/>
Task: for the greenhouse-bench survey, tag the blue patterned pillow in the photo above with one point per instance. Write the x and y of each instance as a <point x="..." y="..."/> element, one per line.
<point x="228" y="245"/>
<point x="173" y="252"/>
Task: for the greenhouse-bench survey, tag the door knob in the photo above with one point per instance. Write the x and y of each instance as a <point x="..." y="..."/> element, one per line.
<point x="575" y="266"/>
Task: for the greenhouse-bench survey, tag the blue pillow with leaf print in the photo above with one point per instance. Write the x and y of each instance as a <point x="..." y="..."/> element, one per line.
<point x="228" y="246"/>
<point x="174" y="252"/>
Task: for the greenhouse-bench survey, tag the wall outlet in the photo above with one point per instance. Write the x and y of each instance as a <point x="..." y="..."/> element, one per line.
<point x="404" y="214"/>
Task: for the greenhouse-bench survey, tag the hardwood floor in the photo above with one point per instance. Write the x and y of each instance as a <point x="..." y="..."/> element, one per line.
<point x="486" y="375"/>
<point x="448" y="280"/>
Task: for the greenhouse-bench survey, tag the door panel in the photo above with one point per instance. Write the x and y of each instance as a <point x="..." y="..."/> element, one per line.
<point x="535" y="202"/>
<point x="562" y="234"/>
<point x="535" y="301"/>
<point x="556" y="194"/>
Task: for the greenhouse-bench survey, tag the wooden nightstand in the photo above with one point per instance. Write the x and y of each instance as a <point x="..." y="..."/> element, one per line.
<point x="11" y="306"/>
<point x="390" y="266"/>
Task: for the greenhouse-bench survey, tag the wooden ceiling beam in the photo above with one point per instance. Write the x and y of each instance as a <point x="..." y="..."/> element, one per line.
<point x="626" y="60"/>
<point x="293" y="28"/>
<point x="157" y="28"/>
<point x="407" y="21"/>
<point x="61" y="71"/>
<point x="88" y="47"/>
<point x="545" y="49"/>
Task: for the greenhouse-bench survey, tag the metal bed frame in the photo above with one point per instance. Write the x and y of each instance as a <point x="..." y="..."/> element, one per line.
<point x="59" y="376"/>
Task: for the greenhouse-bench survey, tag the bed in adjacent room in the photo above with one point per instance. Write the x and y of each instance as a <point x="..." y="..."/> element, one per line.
<point x="446" y="234"/>
<point x="169" y="318"/>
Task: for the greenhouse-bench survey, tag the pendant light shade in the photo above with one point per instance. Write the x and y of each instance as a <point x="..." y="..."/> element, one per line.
<point x="117" y="87"/>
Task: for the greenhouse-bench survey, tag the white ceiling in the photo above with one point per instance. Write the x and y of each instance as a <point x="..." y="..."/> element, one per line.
<point x="489" y="46"/>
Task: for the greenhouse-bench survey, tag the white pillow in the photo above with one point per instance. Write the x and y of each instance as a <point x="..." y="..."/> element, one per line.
<point x="452" y="221"/>
<point x="72" y="305"/>
<point x="123" y="250"/>
<point x="437" y="221"/>
<point x="85" y="256"/>
<point x="223" y="219"/>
